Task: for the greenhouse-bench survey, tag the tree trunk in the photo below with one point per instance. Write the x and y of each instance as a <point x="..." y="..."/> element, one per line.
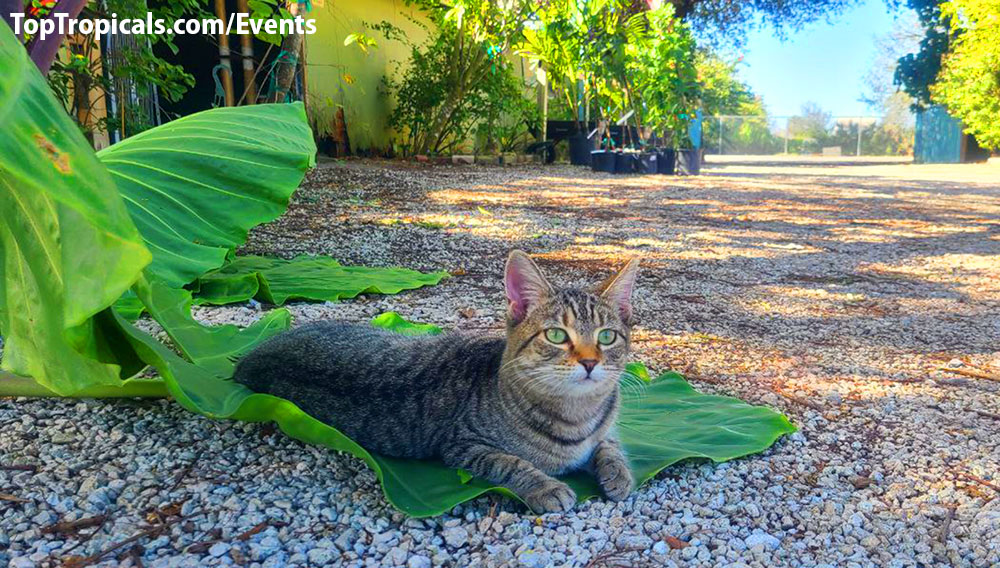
<point x="288" y="62"/>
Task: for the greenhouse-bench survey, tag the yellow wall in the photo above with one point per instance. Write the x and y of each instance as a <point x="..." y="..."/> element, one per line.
<point x="343" y="75"/>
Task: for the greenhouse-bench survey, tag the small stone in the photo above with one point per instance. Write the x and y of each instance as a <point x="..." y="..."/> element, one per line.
<point x="345" y="540"/>
<point x="870" y="542"/>
<point x="62" y="438"/>
<point x="219" y="548"/>
<point x="43" y="518"/>
<point x="456" y="537"/>
<point x="762" y="539"/>
<point x="860" y="482"/>
<point x="532" y="558"/>
<point x="418" y="561"/>
<point x="660" y="548"/>
<point x="675" y="543"/>
<point x="320" y="556"/>
<point x="633" y="542"/>
<point x="22" y="562"/>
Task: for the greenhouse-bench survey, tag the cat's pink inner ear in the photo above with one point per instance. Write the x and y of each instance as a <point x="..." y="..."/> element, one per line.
<point x="524" y="285"/>
<point x="619" y="289"/>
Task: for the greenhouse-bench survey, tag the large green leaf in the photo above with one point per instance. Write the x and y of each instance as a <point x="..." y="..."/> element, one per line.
<point x="68" y="247"/>
<point x="214" y="348"/>
<point x="196" y="185"/>
<point x="665" y="423"/>
<point x="320" y="278"/>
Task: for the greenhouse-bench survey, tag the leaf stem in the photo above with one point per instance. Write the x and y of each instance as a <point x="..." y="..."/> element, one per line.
<point x="15" y="385"/>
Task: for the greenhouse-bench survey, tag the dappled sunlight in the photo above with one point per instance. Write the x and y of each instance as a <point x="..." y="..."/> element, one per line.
<point x="547" y="195"/>
<point x="976" y="276"/>
<point x="463" y="197"/>
<point x="802" y="302"/>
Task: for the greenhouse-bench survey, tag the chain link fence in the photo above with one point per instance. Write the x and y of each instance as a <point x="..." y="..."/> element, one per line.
<point x="806" y="135"/>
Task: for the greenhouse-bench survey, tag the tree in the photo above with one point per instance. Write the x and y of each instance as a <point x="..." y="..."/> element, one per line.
<point x="969" y="80"/>
<point x="917" y="71"/>
<point x="731" y="19"/>
<point x="880" y="88"/>
<point x="813" y="123"/>
<point x="452" y="70"/>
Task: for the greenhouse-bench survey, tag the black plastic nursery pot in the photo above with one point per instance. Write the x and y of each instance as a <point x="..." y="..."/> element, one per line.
<point x="666" y="161"/>
<point x="626" y="162"/>
<point x="648" y="163"/>
<point x="688" y="162"/>
<point x="580" y="148"/>
<point x="602" y="161"/>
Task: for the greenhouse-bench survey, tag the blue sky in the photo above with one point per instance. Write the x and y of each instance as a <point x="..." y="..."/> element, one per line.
<point x="823" y="62"/>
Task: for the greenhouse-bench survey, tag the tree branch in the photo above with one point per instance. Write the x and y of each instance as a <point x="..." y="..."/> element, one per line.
<point x="9" y="7"/>
<point x="43" y="51"/>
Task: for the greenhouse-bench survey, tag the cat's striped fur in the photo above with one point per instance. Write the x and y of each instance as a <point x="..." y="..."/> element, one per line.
<point x="514" y="410"/>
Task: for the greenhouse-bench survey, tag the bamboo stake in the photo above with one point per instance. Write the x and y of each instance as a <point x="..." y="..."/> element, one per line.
<point x="226" y="74"/>
<point x="246" y="48"/>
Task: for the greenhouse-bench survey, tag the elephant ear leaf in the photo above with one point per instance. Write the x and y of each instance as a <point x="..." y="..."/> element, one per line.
<point x="197" y="185"/>
<point x="68" y="247"/>
<point x="213" y="348"/>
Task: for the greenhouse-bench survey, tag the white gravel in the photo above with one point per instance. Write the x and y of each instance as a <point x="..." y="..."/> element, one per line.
<point x="836" y="294"/>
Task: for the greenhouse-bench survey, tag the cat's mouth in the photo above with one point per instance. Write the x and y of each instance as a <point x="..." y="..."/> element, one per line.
<point x="581" y="376"/>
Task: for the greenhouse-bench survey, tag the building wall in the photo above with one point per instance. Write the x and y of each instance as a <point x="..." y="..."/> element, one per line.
<point x="344" y="76"/>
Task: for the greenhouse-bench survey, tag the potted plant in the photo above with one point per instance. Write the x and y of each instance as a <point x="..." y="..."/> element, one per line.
<point x="688" y="153"/>
<point x="666" y="82"/>
<point x="557" y="47"/>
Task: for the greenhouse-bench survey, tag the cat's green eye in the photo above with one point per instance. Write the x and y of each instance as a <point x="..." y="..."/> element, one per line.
<point x="556" y="335"/>
<point x="607" y="336"/>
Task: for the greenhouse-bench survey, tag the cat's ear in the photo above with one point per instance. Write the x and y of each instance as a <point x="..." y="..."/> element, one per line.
<point x="524" y="284"/>
<point x="618" y="289"/>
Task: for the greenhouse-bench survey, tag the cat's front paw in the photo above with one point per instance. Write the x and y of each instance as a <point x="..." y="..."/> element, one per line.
<point x="550" y="497"/>
<point x="615" y="478"/>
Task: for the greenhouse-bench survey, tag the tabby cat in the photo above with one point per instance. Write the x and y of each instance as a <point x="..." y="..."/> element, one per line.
<point x="515" y="411"/>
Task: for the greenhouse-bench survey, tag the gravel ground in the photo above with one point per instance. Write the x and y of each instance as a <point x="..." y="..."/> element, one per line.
<point x="834" y="291"/>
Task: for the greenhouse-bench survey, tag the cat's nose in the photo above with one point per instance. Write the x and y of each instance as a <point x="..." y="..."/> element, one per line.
<point x="589" y="364"/>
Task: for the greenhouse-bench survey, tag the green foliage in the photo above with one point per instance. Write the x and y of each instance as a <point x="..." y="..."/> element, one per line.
<point x="622" y="57"/>
<point x="317" y="278"/>
<point x="212" y="348"/>
<point x="395" y="322"/>
<point x="969" y="81"/>
<point x="662" y="71"/>
<point x="504" y="113"/>
<point x="195" y="186"/>
<point x="661" y="423"/>
<point x="269" y="10"/>
<point x="458" y="76"/>
<point x="722" y="91"/>
<point x="68" y="247"/>
<point x="137" y="70"/>
<point x="559" y="47"/>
